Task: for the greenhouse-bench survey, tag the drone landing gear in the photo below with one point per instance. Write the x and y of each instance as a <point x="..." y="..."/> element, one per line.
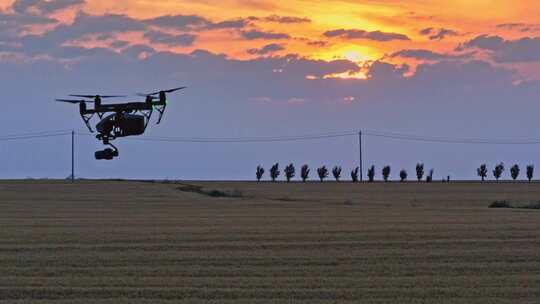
<point x="109" y="153"/>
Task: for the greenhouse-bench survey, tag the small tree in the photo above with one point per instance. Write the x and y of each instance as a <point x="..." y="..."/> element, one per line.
<point x="260" y="173"/>
<point x="289" y="172"/>
<point x="355" y="174"/>
<point x="336" y="172"/>
<point x="323" y="173"/>
<point x="274" y="172"/>
<point x="305" y="173"/>
<point x="371" y="174"/>
<point x="403" y="175"/>
<point x="419" y="171"/>
<point x="514" y="171"/>
<point x="386" y="173"/>
<point x="429" y="178"/>
<point x="530" y="172"/>
<point x="498" y="171"/>
<point x="482" y="171"/>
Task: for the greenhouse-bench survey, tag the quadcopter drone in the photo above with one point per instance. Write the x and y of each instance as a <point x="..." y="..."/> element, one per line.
<point x="127" y="119"/>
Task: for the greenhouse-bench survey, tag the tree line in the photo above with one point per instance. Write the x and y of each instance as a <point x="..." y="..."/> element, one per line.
<point x="323" y="173"/>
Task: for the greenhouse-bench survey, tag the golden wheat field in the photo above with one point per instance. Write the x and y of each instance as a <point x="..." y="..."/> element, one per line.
<point x="144" y="242"/>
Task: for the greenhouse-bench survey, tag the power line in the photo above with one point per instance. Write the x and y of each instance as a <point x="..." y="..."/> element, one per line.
<point x="306" y="137"/>
<point x="395" y="136"/>
<point x="240" y="139"/>
<point x="36" y="135"/>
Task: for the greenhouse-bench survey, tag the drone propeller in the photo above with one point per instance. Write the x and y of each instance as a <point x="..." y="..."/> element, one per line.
<point x="94" y="96"/>
<point x="73" y="101"/>
<point x="164" y="91"/>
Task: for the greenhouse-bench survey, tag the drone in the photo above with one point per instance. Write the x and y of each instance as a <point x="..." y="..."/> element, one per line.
<point x="127" y="119"/>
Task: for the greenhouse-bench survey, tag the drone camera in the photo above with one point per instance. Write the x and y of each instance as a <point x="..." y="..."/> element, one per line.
<point x="107" y="154"/>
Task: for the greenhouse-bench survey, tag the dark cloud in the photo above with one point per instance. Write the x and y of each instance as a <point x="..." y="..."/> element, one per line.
<point x="521" y="27"/>
<point x="256" y="34"/>
<point x="194" y="22"/>
<point x="229" y="24"/>
<point x="170" y="40"/>
<point x="438" y="34"/>
<point x="318" y="43"/>
<point x="267" y="49"/>
<point x="83" y="25"/>
<point x="426" y="31"/>
<point x="507" y="51"/>
<point x="181" y="22"/>
<point x="119" y="44"/>
<point x="137" y="50"/>
<point x="21" y="20"/>
<point x="282" y="19"/>
<point x="421" y="54"/>
<point x="72" y="52"/>
<point x="44" y="6"/>
<point x="361" y="34"/>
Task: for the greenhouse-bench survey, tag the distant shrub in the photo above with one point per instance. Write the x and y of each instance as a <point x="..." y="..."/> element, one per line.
<point x="371" y="174"/>
<point x="403" y="175"/>
<point x="514" y="171"/>
<point x="482" y="171"/>
<point x="290" y="172"/>
<point x="498" y="171"/>
<point x="386" y="173"/>
<point x="429" y="178"/>
<point x="530" y="172"/>
<point x="323" y="173"/>
<point x="419" y="171"/>
<point x="355" y="174"/>
<point x="259" y="173"/>
<point x="305" y="173"/>
<point x="274" y="172"/>
<point x="336" y="172"/>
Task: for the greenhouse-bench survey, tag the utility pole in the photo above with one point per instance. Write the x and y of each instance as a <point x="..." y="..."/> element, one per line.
<point x="73" y="156"/>
<point x="361" y="162"/>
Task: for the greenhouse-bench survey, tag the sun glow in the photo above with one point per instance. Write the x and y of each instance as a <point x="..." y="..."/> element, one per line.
<point x="355" y="56"/>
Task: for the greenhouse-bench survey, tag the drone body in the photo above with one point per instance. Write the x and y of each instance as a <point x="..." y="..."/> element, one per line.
<point x="127" y="119"/>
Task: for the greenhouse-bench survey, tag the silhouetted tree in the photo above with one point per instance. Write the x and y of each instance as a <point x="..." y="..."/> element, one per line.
<point x="260" y="173"/>
<point x="530" y="172"/>
<point x="337" y="173"/>
<point x="419" y="171"/>
<point x="429" y="178"/>
<point x="403" y="175"/>
<point x="323" y="173"/>
<point x="371" y="174"/>
<point x="305" y="173"/>
<point x="482" y="171"/>
<point x="386" y="173"/>
<point x="274" y="172"/>
<point x="514" y="171"/>
<point x="498" y="171"/>
<point x="355" y="174"/>
<point x="290" y="171"/>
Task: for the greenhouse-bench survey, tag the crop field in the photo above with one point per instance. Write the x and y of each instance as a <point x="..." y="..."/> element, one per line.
<point x="235" y="242"/>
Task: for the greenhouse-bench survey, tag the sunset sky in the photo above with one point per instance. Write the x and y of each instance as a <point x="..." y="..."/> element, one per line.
<point x="263" y="68"/>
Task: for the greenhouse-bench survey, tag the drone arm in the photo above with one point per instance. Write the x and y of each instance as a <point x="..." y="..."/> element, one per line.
<point x="161" y="110"/>
<point x="86" y="118"/>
